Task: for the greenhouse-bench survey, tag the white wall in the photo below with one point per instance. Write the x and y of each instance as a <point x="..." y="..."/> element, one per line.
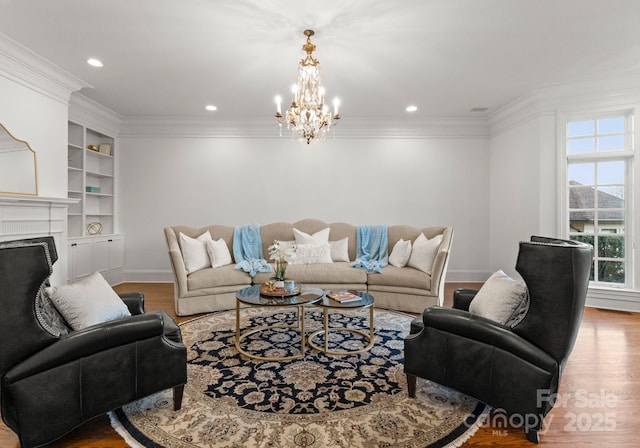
<point x="522" y="188"/>
<point x="37" y="112"/>
<point x="42" y="122"/>
<point x="201" y="181"/>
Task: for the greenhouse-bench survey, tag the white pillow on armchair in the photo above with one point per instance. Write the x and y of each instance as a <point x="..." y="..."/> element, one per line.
<point x="502" y="299"/>
<point x="87" y="302"/>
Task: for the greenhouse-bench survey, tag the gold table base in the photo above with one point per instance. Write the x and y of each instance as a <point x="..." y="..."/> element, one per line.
<point x="368" y="336"/>
<point x="240" y="336"/>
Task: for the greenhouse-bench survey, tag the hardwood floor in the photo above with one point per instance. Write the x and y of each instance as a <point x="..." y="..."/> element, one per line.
<point x="599" y="397"/>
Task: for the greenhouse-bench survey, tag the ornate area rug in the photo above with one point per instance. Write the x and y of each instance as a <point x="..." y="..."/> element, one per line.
<point x="357" y="400"/>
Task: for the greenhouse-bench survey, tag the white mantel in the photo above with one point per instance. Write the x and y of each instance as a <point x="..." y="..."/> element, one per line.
<point x="35" y="216"/>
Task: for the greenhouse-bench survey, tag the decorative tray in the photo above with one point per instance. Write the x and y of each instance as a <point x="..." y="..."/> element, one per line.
<point x="270" y="290"/>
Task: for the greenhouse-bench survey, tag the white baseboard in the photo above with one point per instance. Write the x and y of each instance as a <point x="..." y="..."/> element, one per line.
<point x="140" y="276"/>
<point x="614" y="299"/>
<point x="467" y="276"/>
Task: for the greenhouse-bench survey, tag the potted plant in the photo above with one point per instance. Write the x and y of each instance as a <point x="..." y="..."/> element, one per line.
<point x="282" y="254"/>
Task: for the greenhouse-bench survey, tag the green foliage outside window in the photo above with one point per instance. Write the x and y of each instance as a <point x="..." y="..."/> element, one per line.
<point x="610" y="271"/>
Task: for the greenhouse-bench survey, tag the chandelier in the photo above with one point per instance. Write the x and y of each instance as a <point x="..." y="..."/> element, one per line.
<point x="308" y="118"/>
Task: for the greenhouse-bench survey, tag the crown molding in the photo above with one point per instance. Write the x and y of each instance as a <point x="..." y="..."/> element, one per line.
<point x="620" y="91"/>
<point x="31" y="70"/>
<point x="83" y="110"/>
<point x="266" y="127"/>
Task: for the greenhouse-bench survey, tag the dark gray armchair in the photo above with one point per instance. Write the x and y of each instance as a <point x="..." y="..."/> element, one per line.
<point x="516" y="369"/>
<point x="54" y="380"/>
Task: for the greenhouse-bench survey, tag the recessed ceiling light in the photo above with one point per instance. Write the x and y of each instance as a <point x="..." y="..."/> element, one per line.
<point x="95" y="62"/>
<point x="211" y="107"/>
<point x="412" y="108"/>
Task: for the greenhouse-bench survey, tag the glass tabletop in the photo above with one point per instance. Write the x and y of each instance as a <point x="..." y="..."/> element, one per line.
<point x="364" y="300"/>
<point x="252" y="296"/>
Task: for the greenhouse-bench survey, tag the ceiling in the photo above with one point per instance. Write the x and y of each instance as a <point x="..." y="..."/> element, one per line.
<point x="170" y="58"/>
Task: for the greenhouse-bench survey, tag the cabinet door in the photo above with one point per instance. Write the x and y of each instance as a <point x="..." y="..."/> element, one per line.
<point x="101" y="255"/>
<point x="81" y="259"/>
<point x="109" y="258"/>
<point x="116" y="252"/>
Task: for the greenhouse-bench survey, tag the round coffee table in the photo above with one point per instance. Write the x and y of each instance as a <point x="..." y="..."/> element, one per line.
<point x="327" y="304"/>
<point x="251" y="296"/>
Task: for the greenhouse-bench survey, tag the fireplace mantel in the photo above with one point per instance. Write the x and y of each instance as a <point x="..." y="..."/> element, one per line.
<point x="35" y="216"/>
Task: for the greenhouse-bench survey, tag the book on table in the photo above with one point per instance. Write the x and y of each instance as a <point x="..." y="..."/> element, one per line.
<point x="343" y="296"/>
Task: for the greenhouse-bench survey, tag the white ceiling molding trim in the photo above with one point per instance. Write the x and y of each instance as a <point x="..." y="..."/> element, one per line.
<point x="85" y="111"/>
<point x="579" y="96"/>
<point x="364" y="128"/>
<point x="26" y="68"/>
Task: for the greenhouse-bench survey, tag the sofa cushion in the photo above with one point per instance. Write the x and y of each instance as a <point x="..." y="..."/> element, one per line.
<point x="222" y="276"/>
<point x="403" y="277"/>
<point x="320" y="237"/>
<point x="285" y="246"/>
<point x="312" y="254"/>
<point x="87" y="302"/>
<point x="325" y="273"/>
<point x="501" y="299"/>
<point x="423" y="252"/>
<point x="400" y="254"/>
<point x="218" y="252"/>
<point x="194" y="252"/>
<point x="340" y="249"/>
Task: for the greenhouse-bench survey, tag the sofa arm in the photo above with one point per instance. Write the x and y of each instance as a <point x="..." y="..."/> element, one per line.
<point x="83" y="343"/>
<point x="462" y="298"/>
<point x="177" y="262"/>
<point x="440" y="265"/>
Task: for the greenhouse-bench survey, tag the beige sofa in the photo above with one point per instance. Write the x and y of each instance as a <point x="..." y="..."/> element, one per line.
<point x="404" y="289"/>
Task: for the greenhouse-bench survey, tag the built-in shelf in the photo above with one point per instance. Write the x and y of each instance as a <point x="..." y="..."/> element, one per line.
<point x="96" y="174"/>
<point x="91" y="181"/>
<point x="93" y="244"/>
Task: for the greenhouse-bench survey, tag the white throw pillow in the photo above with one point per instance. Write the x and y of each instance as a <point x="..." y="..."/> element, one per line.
<point x="502" y="299"/>
<point x="285" y="246"/>
<point x="400" y="254"/>
<point x="423" y="252"/>
<point x="194" y="252"/>
<point x="218" y="253"/>
<point x="340" y="250"/>
<point x="320" y="237"/>
<point x="312" y="254"/>
<point x="87" y="302"/>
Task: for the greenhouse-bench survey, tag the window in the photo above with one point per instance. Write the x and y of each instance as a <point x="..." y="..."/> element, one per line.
<point x="599" y="153"/>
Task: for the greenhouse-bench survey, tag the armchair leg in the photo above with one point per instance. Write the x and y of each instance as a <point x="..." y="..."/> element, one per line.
<point x="532" y="435"/>
<point x="177" y="397"/>
<point x="411" y="385"/>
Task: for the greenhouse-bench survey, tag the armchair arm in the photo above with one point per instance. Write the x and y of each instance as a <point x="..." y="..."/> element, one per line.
<point x="83" y="343"/>
<point x="134" y="301"/>
<point x="485" y="331"/>
<point x="462" y="298"/>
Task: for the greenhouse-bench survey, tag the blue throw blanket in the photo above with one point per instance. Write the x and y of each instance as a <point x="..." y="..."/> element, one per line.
<point x="372" y="248"/>
<point x="247" y="250"/>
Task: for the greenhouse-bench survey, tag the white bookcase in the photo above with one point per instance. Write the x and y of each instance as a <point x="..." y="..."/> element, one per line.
<point x="91" y="181"/>
<point x="94" y="244"/>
